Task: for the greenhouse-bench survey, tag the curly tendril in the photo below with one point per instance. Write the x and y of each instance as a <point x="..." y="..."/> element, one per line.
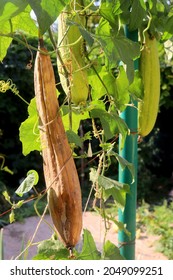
<point x="4" y="86"/>
<point x="9" y="85"/>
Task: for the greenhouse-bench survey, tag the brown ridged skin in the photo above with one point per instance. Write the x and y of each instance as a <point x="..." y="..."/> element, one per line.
<point x="64" y="193"/>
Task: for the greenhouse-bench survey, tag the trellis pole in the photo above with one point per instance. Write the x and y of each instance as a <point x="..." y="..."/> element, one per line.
<point x="129" y="152"/>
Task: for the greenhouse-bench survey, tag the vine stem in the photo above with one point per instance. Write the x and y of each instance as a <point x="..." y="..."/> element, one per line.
<point x="93" y="185"/>
<point x="11" y="35"/>
<point x="70" y="45"/>
<point x="22" y="99"/>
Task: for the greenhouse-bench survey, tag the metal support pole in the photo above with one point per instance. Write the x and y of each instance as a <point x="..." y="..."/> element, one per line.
<point x="129" y="152"/>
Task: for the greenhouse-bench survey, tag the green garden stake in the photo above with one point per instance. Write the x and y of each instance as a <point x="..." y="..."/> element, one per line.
<point x="129" y="152"/>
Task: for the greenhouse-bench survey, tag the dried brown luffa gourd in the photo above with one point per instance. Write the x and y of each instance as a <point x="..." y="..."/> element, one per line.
<point x="64" y="193"/>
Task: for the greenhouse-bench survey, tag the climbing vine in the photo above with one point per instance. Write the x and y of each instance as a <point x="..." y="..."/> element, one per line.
<point x="107" y="63"/>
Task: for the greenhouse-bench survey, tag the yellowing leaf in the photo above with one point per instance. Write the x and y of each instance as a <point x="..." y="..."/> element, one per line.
<point x="12" y="217"/>
<point x="6" y="196"/>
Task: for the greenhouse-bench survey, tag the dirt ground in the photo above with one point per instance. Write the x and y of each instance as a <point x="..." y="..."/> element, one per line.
<point x="32" y="229"/>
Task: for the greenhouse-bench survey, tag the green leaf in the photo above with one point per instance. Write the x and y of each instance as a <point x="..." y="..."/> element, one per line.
<point x="137" y="15"/>
<point x="169" y="25"/>
<point x="89" y="249"/>
<point x="47" y="11"/>
<point x="12" y="217"/>
<point x="121" y="93"/>
<point x="28" y="183"/>
<point x="110" y="11"/>
<point x="117" y="48"/>
<point x="152" y="3"/>
<point x="96" y="104"/>
<point x="9" y="9"/>
<point x="18" y="204"/>
<point x="136" y="88"/>
<point x="112" y="188"/>
<point x="4" y="41"/>
<point x="122" y="128"/>
<point x="111" y="252"/>
<point x="24" y="22"/>
<point x="74" y="138"/>
<point x="87" y="36"/>
<point x="110" y="215"/>
<point x="107" y="121"/>
<point x="121" y="226"/>
<point x="112" y="124"/>
<point x="29" y="132"/>
<point x="51" y="249"/>
<point x="6" y="196"/>
<point x="76" y="118"/>
<point x="20" y="22"/>
<point x="115" y="87"/>
<point x="124" y="164"/>
<point x="101" y="81"/>
<point x="35" y="175"/>
<point x="127" y="51"/>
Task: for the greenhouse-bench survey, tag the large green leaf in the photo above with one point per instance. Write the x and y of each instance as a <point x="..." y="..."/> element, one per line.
<point x="124" y="163"/>
<point x="112" y="124"/>
<point x="5" y="28"/>
<point x="21" y="22"/>
<point x="24" y="23"/>
<point x="110" y="11"/>
<point x="74" y="138"/>
<point x="85" y="34"/>
<point x="9" y="9"/>
<point x="89" y="249"/>
<point x="110" y="188"/>
<point x="51" y="249"/>
<point x="29" y="132"/>
<point x="136" y="88"/>
<point x="111" y="252"/>
<point x="137" y="15"/>
<point x="169" y="25"/>
<point x="101" y="81"/>
<point x="117" y="48"/>
<point x="105" y="83"/>
<point x="77" y="116"/>
<point x="110" y="214"/>
<point x="47" y="11"/>
<point x="121" y="93"/>
<point x="108" y="122"/>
